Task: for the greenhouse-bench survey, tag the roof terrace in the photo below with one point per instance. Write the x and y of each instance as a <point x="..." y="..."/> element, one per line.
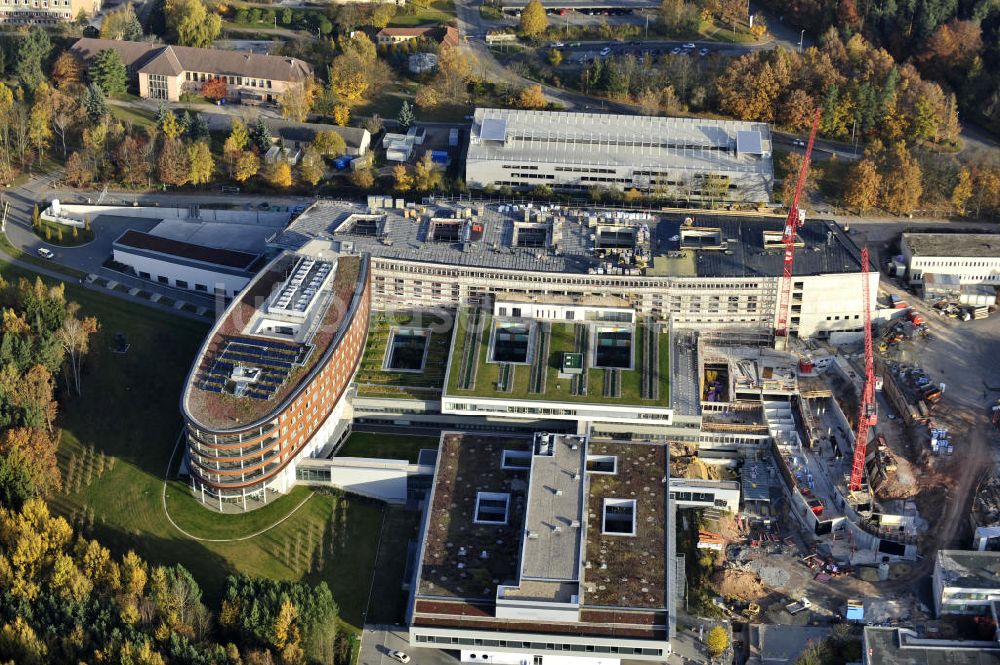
<point x="406" y="355"/>
<point x="520" y="359"/>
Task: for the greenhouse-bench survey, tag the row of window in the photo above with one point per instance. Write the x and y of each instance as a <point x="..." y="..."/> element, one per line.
<point x="539" y="646"/>
<point x="231" y="80"/>
<point x="582" y="169"/>
<point x="534" y="176"/>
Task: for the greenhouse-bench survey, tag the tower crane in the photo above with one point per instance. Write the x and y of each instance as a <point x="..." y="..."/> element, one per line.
<point x="867" y="413"/>
<point x="792" y="224"/>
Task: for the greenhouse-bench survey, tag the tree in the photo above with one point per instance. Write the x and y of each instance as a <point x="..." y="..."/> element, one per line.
<point x="363" y="178"/>
<point x="108" y="72"/>
<point x="247" y="166"/>
<point x="215" y="88"/>
<point x="673" y="15"/>
<point x="198" y="131"/>
<point x="297" y="100"/>
<point x="533" y="19"/>
<point x="174" y="168"/>
<point x="426" y="174"/>
<point x="260" y="136"/>
<point x="427" y="97"/>
<point x="32" y="52"/>
<point x="191" y="22"/>
<point x="402" y="179"/>
<point x="330" y="143"/>
<point x="341" y="115"/>
<point x="962" y="192"/>
<point x="169" y="126"/>
<point x="311" y="166"/>
<point x="121" y="23"/>
<point x="863" y="186"/>
<point x="373" y="124"/>
<point x="74" y="336"/>
<point x="40" y="122"/>
<point x="531" y="97"/>
<point x="797" y="110"/>
<point x="78" y="171"/>
<point x="67" y="69"/>
<point x="239" y="137"/>
<point x="793" y="164"/>
<point x="382" y="14"/>
<point x="554" y="56"/>
<point x="200" y="162"/>
<point x="405" y="117"/>
<point x="717" y="641"/>
<point x="351" y="77"/>
<point x="279" y="174"/>
<point x="901" y="182"/>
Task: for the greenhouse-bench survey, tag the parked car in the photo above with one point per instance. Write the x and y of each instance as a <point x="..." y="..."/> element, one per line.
<point x="703" y="51"/>
<point x="675" y="50"/>
<point x="46" y="253"/>
<point x="799" y="142"/>
<point x="264" y="205"/>
<point x="575" y="45"/>
<point x="557" y="45"/>
<point x="605" y="51"/>
<point x="689" y="45"/>
<point x="399" y="656"/>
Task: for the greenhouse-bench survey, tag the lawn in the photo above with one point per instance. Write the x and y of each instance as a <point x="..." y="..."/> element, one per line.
<point x="64" y="236"/>
<point x="138" y="117"/>
<point x="386" y="446"/>
<point x="440" y="11"/>
<point x="117" y="439"/>
<point x="373" y="380"/>
<point x="562" y="340"/>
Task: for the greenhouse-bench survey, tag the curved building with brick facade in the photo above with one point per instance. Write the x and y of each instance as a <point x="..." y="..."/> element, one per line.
<point x="268" y="387"/>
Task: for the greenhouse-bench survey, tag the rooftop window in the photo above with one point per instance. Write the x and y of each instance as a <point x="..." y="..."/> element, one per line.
<point x="492" y="508"/>
<point x="516" y="459"/>
<point x="602" y="464"/>
<point x="619" y="517"/>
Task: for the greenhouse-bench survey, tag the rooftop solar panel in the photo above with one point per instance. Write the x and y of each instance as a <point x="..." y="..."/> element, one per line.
<point x="749" y="143"/>
<point x="493" y="129"/>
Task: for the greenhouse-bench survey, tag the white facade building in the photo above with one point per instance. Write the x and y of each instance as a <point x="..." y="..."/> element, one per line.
<point x="966" y="582"/>
<point x="973" y="258"/>
<point x="680" y="158"/>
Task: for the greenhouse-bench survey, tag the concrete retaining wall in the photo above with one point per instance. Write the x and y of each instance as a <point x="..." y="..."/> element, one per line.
<point x="259" y="217"/>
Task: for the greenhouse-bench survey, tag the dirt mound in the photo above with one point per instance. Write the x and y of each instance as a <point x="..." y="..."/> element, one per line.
<point x="738" y="584"/>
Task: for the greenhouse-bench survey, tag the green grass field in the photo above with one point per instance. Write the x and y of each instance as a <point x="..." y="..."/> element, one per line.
<point x="117" y="439"/>
<point x="373" y="380"/>
<point x="386" y="446"/>
<point x="556" y="389"/>
<point x="440" y="11"/>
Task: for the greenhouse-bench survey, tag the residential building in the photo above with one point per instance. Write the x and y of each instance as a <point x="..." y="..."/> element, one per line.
<point x="971" y="258"/>
<point x="440" y="34"/>
<point x="680" y="158"/>
<point x="549" y="549"/>
<point x="268" y="386"/>
<point x="966" y="582"/>
<point x="45" y="12"/>
<point x="167" y="72"/>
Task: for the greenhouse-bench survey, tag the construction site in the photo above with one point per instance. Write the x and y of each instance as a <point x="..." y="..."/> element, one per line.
<point x="857" y="461"/>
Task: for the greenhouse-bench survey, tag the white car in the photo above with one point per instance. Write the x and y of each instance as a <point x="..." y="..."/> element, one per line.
<point x="689" y="45"/>
<point x="399" y="656"/>
<point x="46" y="253"/>
<point x="557" y="45"/>
<point x="675" y="50"/>
<point x="799" y="142"/>
<point x="605" y="51"/>
<point x="703" y="52"/>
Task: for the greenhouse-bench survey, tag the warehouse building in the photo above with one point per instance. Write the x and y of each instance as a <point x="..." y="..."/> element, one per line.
<point x="678" y="158"/>
<point x="973" y="258"/>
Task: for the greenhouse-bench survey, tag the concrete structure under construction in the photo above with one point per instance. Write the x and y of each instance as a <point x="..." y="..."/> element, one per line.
<point x="685" y="159"/>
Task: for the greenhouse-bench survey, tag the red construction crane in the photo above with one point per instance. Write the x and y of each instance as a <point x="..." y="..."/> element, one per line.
<point x="867" y="414"/>
<point x="792" y="224"/>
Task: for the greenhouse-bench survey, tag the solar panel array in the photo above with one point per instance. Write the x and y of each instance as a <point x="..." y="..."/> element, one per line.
<point x="274" y="359"/>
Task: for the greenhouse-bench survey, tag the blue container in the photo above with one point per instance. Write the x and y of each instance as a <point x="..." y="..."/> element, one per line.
<point x="342" y="163"/>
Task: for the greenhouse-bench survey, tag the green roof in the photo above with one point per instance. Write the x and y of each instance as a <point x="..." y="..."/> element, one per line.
<point x="471" y="373"/>
<point x="373" y="380"/>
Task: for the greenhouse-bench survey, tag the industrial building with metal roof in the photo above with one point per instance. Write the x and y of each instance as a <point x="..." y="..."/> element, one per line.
<point x="683" y="158"/>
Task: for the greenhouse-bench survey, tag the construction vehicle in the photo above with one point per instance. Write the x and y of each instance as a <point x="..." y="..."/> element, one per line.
<point x="796" y="607"/>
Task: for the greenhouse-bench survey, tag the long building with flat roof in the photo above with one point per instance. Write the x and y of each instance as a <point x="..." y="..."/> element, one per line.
<point x="692" y="270"/>
<point x="680" y="158"/>
<point x="972" y="258"/>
